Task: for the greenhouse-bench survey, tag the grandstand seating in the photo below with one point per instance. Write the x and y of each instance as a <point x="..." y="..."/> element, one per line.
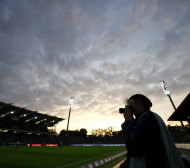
<point x="10" y="137"/>
<point x="181" y="136"/>
<point x="21" y="126"/>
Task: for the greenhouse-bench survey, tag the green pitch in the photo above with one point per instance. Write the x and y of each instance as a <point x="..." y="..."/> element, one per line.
<point x="51" y="157"/>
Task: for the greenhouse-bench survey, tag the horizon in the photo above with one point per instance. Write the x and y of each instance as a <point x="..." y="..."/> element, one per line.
<point x="99" y="52"/>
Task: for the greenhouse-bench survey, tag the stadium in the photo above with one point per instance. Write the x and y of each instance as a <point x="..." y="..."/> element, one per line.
<point x="40" y="148"/>
<point x="103" y="53"/>
<point x="37" y="142"/>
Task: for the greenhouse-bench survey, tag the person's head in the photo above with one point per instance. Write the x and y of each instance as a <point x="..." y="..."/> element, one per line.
<point x="138" y="103"/>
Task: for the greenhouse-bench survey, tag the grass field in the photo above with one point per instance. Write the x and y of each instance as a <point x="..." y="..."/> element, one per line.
<point x="51" y="157"/>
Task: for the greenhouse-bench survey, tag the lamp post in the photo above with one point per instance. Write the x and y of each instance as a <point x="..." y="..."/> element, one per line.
<point x="70" y="106"/>
<point x="167" y="92"/>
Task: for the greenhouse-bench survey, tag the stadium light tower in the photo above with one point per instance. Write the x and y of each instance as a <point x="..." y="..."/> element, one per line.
<point x="167" y="92"/>
<point x="71" y="100"/>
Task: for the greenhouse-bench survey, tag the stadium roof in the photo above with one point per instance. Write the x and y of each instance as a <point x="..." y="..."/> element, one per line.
<point x="182" y="113"/>
<point x="11" y="112"/>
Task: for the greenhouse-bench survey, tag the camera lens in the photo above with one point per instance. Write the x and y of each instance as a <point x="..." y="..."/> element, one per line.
<point x="121" y="110"/>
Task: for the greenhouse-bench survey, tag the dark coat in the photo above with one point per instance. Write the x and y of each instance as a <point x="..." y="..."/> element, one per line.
<point x="142" y="138"/>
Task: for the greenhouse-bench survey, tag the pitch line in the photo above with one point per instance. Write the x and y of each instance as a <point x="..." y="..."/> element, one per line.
<point x="88" y="159"/>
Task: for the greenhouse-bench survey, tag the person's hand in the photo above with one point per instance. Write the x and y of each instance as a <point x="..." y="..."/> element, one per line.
<point x="127" y="114"/>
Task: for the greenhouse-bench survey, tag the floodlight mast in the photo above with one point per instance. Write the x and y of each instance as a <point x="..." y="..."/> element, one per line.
<point x="167" y="92"/>
<point x="70" y="106"/>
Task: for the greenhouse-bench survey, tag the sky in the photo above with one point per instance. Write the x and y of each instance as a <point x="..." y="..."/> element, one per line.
<point x="99" y="52"/>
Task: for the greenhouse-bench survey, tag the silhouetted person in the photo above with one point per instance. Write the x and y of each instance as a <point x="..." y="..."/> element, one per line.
<point x="148" y="141"/>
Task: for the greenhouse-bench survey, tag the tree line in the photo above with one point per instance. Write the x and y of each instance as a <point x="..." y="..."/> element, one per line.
<point x="81" y="132"/>
<point x="109" y="131"/>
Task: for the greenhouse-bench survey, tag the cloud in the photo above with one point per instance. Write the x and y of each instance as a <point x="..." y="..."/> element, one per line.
<point x="113" y="39"/>
<point x="100" y="52"/>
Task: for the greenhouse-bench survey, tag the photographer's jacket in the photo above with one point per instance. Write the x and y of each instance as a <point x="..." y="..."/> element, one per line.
<point x="149" y="143"/>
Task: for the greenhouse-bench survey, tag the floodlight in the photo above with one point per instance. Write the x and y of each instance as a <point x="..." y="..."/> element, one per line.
<point x="164" y="87"/>
<point x="70" y="106"/>
<point x="166" y="92"/>
<point x="71" y="101"/>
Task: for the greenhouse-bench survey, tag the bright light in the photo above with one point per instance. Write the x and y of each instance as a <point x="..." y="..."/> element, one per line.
<point x="53" y="121"/>
<point x="71" y="100"/>
<point x="35" y="117"/>
<point x="24" y="115"/>
<point x="12" y="112"/>
<point x="164" y="88"/>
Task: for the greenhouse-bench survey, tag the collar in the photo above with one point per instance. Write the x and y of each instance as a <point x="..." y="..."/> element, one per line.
<point x="142" y="113"/>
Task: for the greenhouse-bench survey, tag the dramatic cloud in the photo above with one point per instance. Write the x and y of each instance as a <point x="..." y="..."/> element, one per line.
<point x="100" y="52"/>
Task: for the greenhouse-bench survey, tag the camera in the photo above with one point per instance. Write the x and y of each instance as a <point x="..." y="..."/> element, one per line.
<point x="122" y="110"/>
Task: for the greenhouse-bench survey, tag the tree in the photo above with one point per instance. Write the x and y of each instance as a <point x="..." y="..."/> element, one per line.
<point x="98" y="132"/>
<point x="114" y="133"/>
<point x="70" y="132"/>
<point x="62" y="132"/>
<point x="83" y="132"/>
<point x="74" y="133"/>
<point x="102" y="132"/>
<point x="109" y="131"/>
<point x="93" y="132"/>
<point x="120" y="133"/>
<point x="52" y="132"/>
<point x="177" y="128"/>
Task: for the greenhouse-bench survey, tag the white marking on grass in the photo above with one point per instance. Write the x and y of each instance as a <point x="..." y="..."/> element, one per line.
<point x="87" y="160"/>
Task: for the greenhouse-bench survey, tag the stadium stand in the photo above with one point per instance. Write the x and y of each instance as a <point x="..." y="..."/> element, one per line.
<point x="52" y="139"/>
<point x="182" y="113"/>
<point x="90" y="139"/>
<point x="17" y="123"/>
